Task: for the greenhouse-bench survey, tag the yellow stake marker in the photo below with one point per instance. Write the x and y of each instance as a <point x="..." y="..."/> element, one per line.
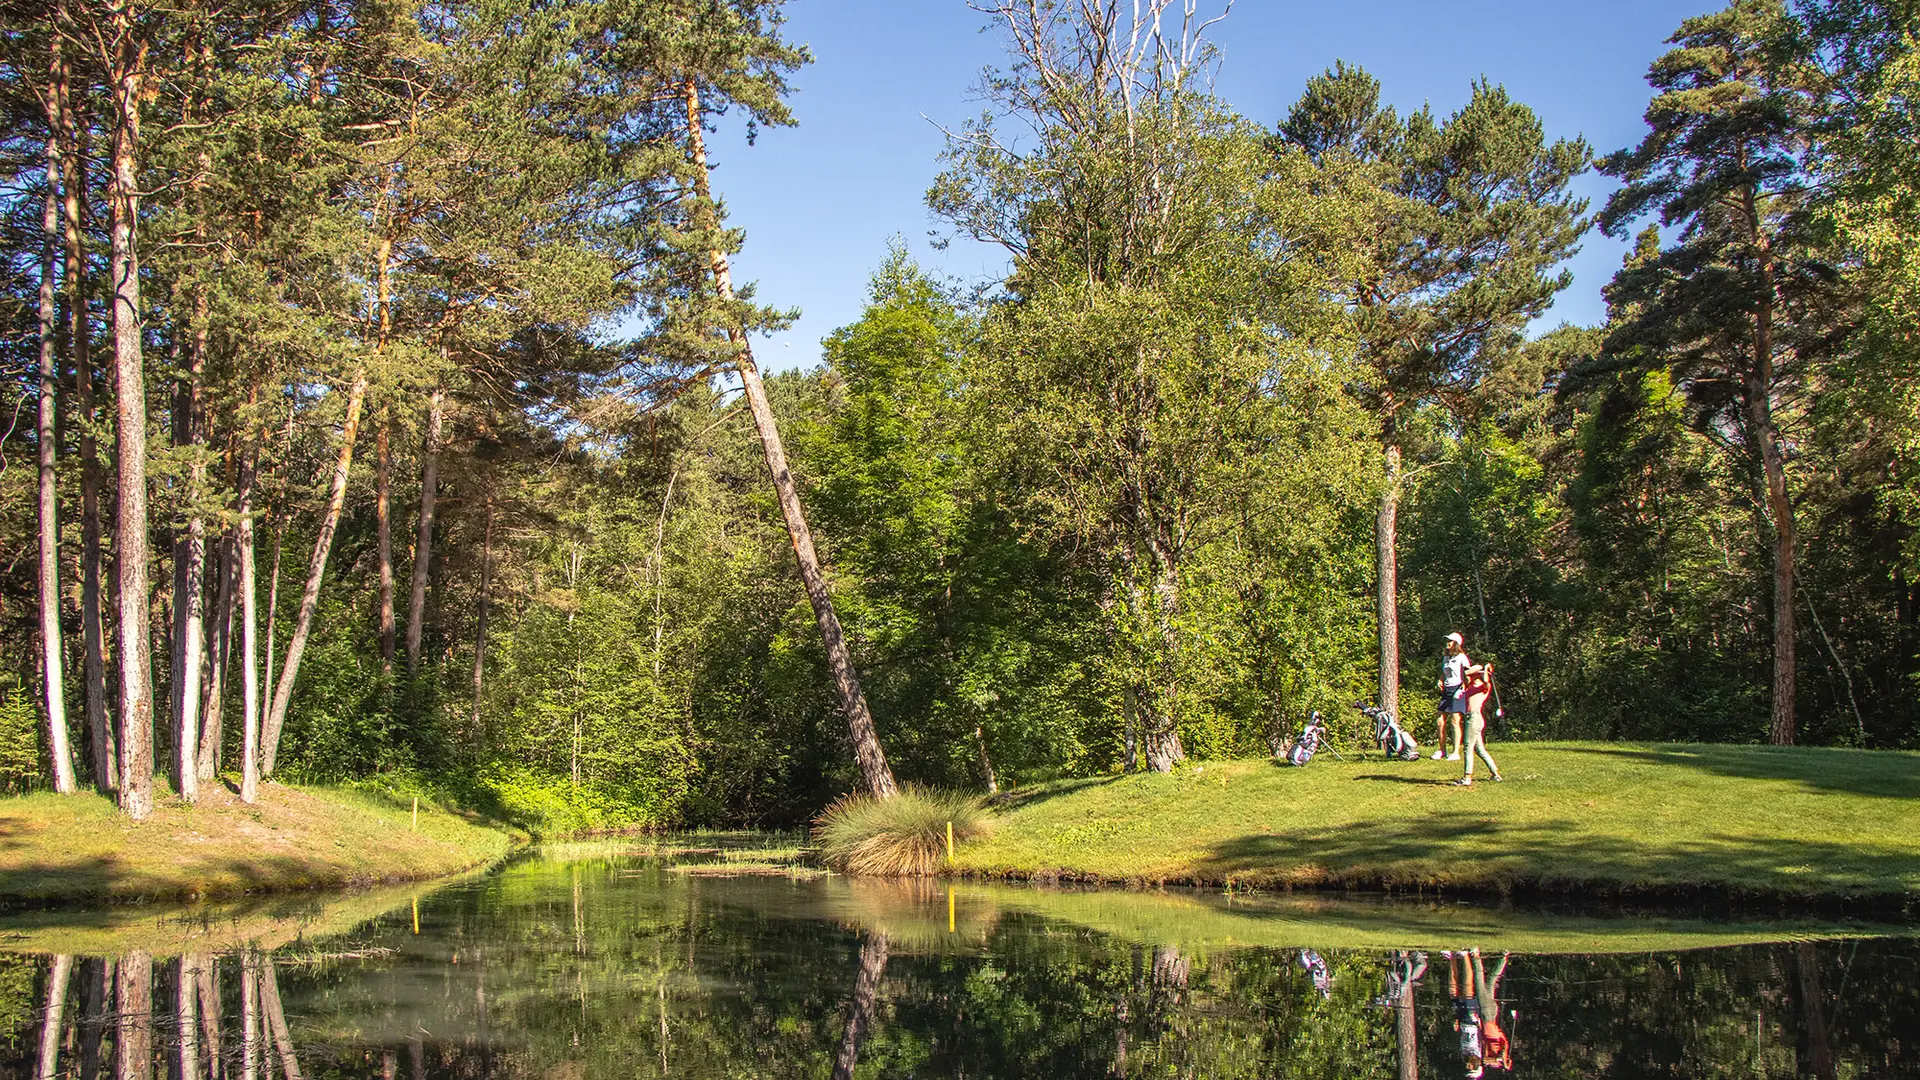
<point x="416" y="813"/>
<point x="949" y="909"/>
<point x="416" y="916"/>
<point x="949" y="843"/>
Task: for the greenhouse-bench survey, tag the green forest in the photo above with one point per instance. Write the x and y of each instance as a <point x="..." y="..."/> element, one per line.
<point x="379" y="403"/>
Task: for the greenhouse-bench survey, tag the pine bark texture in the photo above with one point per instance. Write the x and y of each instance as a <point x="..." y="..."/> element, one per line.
<point x="104" y="757"/>
<point x="53" y="677"/>
<point x="867" y="751"/>
<point x="423" y="532"/>
<point x="1386" y="537"/>
<point x="383" y="524"/>
<point x="1779" y="505"/>
<point x="130" y="416"/>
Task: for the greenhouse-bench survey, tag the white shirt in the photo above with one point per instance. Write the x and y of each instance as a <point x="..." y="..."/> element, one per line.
<point x="1453" y="670"/>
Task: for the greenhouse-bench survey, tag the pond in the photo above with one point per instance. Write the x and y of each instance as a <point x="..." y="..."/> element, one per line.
<point x="610" y="961"/>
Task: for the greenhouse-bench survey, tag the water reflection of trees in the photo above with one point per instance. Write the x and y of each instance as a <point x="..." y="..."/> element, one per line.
<point x="670" y="978"/>
<point x="134" y="1018"/>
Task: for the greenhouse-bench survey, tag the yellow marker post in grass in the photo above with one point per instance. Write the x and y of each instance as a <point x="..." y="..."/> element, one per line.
<point x="416" y="813"/>
<point x="949" y="843"/>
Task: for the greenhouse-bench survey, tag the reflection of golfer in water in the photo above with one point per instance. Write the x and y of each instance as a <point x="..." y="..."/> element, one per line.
<point x="1318" y="971"/>
<point x="1476" y="1012"/>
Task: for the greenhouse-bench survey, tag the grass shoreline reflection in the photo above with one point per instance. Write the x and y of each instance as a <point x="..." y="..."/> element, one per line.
<point x="611" y="960"/>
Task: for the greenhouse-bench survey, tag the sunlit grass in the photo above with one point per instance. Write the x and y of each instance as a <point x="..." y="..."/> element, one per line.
<point x="1574" y="819"/>
<point x="79" y="847"/>
<point x="904" y="835"/>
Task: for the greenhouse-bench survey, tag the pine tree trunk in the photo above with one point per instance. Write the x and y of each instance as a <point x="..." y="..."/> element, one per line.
<point x="480" y="632"/>
<point x="316" y="573"/>
<point x="1779" y="508"/>
<point x="130" y="414"/>
<point x="189" y="574"/>
<point x="53" y="676"/>
<point x="423" y="534"/>
<point x="104" y="758"/>
<point x="1386" y="533"/>
<point x="219" y="653"/>
<point x="383" y="524"/>
<point x="867" y="751"/>
<point x="249" y="634"/>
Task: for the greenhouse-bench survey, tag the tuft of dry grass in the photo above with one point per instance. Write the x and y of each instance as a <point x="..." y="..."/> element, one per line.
<point x="899" y="837"/>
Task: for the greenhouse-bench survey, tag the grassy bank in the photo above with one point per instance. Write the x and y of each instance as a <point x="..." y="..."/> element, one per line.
<point x="79" y="848"/>
<point x="1608" y="819"/>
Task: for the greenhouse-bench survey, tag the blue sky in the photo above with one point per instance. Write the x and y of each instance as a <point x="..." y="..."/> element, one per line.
<point x="819" y="201"/>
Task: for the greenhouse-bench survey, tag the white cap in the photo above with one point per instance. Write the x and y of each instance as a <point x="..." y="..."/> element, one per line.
<point x="1457" y="639"/>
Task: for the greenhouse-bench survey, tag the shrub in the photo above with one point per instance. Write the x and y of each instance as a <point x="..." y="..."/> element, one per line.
<point x="904" y="835"/>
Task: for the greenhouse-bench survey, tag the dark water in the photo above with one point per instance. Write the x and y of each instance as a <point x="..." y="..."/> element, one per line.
<point x="623" y="966"/>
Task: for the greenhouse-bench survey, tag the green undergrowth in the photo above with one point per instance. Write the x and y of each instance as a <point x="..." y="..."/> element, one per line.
<point x="904" y="834"/>
<point x="68" y="848"/>
<point x="1577" y="819"/>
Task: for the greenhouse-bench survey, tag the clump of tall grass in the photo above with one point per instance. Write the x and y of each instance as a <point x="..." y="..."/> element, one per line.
<point x="902" y="836"/>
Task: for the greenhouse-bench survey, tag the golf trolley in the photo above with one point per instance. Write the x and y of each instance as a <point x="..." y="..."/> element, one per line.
<point x="1388" y="735"/>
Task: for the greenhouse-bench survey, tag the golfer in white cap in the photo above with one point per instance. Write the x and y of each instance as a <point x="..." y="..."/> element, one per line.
<point x="1453" y="695"/>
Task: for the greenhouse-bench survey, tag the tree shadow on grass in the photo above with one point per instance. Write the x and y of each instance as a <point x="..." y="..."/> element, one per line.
<point x="1009" y="801"/>
<point x="1874" y="773"/>
<point x="1417" y="781"/>
<point x="1471" y="850"/>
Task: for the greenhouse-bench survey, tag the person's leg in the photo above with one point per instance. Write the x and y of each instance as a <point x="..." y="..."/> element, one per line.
<point x="1478" y="744"/>
<point x="1474" y="727"/>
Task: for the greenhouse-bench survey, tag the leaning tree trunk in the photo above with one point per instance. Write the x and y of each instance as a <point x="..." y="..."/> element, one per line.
<point x="104" y="758"/>
<point x="53" y="677"/>
<point x="866" y="994"/>
<point x="846" y="680"/>
<point x="316" y="573"/>
<point x="130" y="415"/>
<point x="1386" y="531"/>
<point x="423" y="534"/>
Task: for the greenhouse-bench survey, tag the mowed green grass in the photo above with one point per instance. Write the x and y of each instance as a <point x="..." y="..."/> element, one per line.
<point x="1605" y="819"/>
<point x="80" y="848"/>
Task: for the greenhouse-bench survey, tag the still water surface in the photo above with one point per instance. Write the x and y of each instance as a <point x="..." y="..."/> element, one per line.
<point x="600" y="964"/>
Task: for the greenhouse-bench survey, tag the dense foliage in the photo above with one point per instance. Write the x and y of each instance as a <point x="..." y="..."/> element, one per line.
<point x="1128" y="505"/>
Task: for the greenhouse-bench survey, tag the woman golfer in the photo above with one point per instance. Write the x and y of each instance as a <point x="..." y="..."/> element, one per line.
<point x="1478" y="680"/>
<point x="1453" y="696"/>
